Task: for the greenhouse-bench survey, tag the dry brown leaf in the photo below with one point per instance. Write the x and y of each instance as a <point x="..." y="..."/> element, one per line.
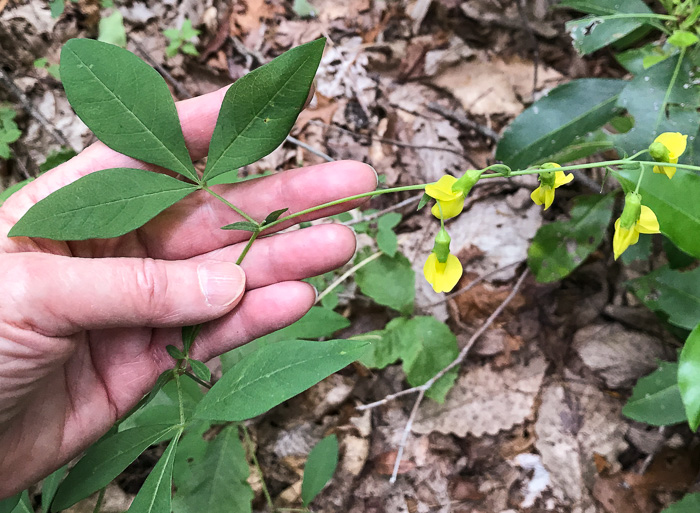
<point x="247" y="15"/>
<point x="618" y="354"/>
<point x="384" y="464"/>
<point x="572" y="425"/>
<point x="323" y="110"/>
<point x="485" y="401"/>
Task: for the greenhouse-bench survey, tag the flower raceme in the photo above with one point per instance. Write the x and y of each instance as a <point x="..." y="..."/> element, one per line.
<point x="635" y="219"/>
<point x="668" y="147"/>
<point x="442" y="269"/>
<point x="549" y="180"/>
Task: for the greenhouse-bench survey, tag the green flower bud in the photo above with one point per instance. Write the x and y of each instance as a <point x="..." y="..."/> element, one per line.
<point x="442" y="245"/>
<point x="465" y="183"/>
<point x="550" y="165"/>
<point x="547" y="178"/>
<point x="659" y="152"/>
<point x="500" y="168"/>
<point x="632" y="211"/>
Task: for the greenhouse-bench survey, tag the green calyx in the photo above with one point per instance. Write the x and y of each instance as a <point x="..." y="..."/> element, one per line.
<point x="465" y="183"/>
<point x="547" y="178"/>
<point x="442" y="245"/>
<point x="632" y="211"/>
<point x="659" y="152"/>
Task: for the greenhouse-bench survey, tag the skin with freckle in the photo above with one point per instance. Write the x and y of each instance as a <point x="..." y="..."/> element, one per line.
<point x="84" y="325"/>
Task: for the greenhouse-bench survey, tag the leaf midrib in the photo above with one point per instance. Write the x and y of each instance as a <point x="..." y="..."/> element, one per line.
<point x="188" y="173"/>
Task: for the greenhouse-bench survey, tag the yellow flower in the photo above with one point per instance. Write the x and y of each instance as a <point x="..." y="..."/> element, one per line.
<point x="443" y="276"/>
<point x="549" y="180"/>
<point x="452" y="203"/>
<point x="635" y="219"/>
<point x="668" y="147"/>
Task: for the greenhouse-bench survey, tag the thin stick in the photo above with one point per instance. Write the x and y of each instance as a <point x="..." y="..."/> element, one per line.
<point x="310" y="149"/>
<point x="180" y="89"/>
<point x="400" y="204"/>
<point x="464" y="121"/>
<point x="254" y="457"/>
<point x="347" y="274"/>
<point x="404" y="437"/>
<point x="29" y="108"/>
<point x="471" y="284"/>
<point x="460" y="357"/>
<point x="533" y="43"/>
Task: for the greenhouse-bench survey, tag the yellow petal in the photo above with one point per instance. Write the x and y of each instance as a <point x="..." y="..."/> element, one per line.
<point x="665" y="170"/>
<point x="450" y="209"/>
<point x="447" y="278"/>
<point x="647" y="222"/>
<point x="429" y="269"/>
<point x="623" y="239"/>
<point x="442" y="189"/>
<point x="548" y="197"/>
<point x="538" y="196"/>
<point x="675" y="142"/>
<point x="560" y="178"/>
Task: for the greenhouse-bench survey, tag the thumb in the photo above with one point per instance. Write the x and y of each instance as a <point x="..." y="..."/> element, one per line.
<point x="60" y="295"/>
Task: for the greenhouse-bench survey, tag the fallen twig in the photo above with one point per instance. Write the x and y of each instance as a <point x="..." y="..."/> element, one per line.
<point x="422" y="389"/>
<point x="464" y="121"/>
<point x="533" y="42"/>
<point x="29" y="108"/>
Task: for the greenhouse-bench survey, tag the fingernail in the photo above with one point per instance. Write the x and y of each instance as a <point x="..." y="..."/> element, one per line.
<point x="221" y="282"/>
<point x="376" y="176"/>
<point x="315" y="292"/>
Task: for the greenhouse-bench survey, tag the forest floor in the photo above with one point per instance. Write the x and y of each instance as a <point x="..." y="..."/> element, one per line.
<point x="417" y="89"/>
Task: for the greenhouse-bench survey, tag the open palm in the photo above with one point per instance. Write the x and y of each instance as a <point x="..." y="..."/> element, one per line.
<point x="84" y="325"/>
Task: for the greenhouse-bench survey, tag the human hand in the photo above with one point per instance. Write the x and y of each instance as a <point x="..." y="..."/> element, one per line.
<point x="84" y="325"/>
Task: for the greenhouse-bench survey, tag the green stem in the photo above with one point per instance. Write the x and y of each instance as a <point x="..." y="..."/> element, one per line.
<point x="639" y="180"/>
<point x="343" y="200"/>
<point x="200" y="381"/>
<point x="671" y="83"/>
<point x="592" y="165"/>
<point x="100" y="498"/>
<point x="179" y="398"/>
<point x="253" y="456"/>
<point x="247" y="247"/>
<point x="230" y="205"/>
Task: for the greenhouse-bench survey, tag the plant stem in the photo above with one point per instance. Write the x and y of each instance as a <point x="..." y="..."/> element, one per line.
<point x="100" y="498"/>
<point x="671" y="83"/>
<point x="179" y="398"/>
<point x="230" y="205"/>
<point x="253" y="456"/>
<point x="592" y="165"/>
<point x="247" y="247"/>
<point x="200" y="381"/>
<point x="343" y="200"/>
<point x="639" y="180"/>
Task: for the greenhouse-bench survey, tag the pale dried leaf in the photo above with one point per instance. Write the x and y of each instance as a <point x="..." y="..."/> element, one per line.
<point x="485" y="401"/>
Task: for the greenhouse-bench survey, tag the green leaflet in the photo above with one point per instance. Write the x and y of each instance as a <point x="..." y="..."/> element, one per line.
<point x="425" y="345"/>
<point x="689" y="504"/>
<point x="688" y="377"/>
<point x="260" y="109"/>
<point x="389" y="282"/>
<point x="560" y="247"/>
<point x="318" y="322"/>
<point x="656" y="399"/>
<point x="319" y="468"/>
<point x="155" y="496"/>
<point x="673" y="201"/>
<point x="552" y="123"/>
<point x="274" y="373"/>
<point x="103" y="204"/>
<point x="212" y="475"/>
<point x="674" y="293"/>
<point x="594" y="32"/>
<point x="105" y="460"/>
<point x="125" y="102"/>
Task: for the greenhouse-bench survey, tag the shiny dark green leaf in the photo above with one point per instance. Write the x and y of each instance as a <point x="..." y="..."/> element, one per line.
<point x="656" y="399"/>
<point x="689" y="377"/>
<point x="241" y="225"/>
<point x="155" y="496"/>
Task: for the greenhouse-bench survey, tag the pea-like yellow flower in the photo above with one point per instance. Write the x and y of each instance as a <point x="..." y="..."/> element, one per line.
<point x="443" y="276"/>
<point x="635" y="219"/>
<point x="442" y="269"/>
<point x="549" y="180"/>
<point x="451" y="203"/>
<point x="668" y="147"/>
